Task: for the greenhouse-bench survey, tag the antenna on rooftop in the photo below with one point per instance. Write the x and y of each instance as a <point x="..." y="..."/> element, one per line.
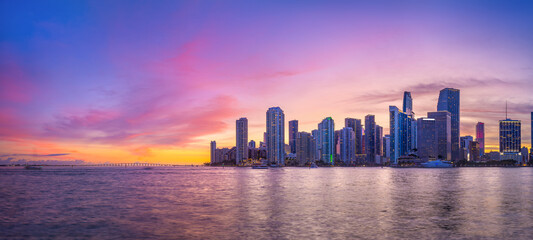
<point x="506" y="109"/>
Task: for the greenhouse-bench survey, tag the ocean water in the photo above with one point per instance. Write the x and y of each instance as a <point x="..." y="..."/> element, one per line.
<point x="283" y="203"/>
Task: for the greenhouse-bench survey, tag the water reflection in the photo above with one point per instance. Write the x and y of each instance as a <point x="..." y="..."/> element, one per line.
<point x="284" y="203"/>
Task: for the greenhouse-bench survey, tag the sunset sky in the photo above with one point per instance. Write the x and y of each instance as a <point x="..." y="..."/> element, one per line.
<point x="156" y="81"/>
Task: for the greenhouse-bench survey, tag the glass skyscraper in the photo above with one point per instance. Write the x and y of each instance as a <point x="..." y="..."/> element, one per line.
<point x="443" y="131"/>
<point x="400" y="132"/>
<point x="427" y="138"/>
<point x="327" y="140"/>
<point x="293" y="131"/>
<point x="241" y="151"/>
<point x="370" y="138"/>
<point x="275" y="136"/>
<point x="347" y="145"/>
<point x="449" y="100"/>
<point x="480" y="137"/>
<point x="305" y="148"/>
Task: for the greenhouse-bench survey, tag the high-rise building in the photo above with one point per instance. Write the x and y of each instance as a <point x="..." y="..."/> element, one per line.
<point x="407" y="102"/>
<point x="337" y="140"/>
<point x="525" y="155"/>
<point x="480" y="137"/>
<point x="347" y="145"/>
<point x="213" y="151"/>
<point x="327" y="140"/>
<point x="427" y="138"/>
<point x="316" y="135"/>
<point x="293" y="130"/>
<point x="379" y="140"/>
<point x="464" y="152"/>
<point x="251" y="144"/>
<point x="449" y="100"/>
<point x="473" y="149"/>
<point x="510" y="140"/>
<point x="370" y="138"/>
<point x="443" y="132"/>
<point x="275" y="134"/>
<point x="386" y="146"/>
<point x="355" y="124"/>
<point x="401" y="133"/>
<point x="531" y="126"/>
<point x="305" y="148"/>
<point x="242" y="140"/>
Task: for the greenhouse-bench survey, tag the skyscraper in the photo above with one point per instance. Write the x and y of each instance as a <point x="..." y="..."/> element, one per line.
<point x="449" y="100"/>
<point x="480" y="137"/>
<point x="305" y="148"/>
<point x="275" y="134"/>
<point x="213" y="151"/>
<point x="443" y="132"/>
<point x="293" y="130"/>
<point x="379" y="140"/>
<point x="242" y="140"/>
<point x="473" y="149"/>
<point x="327" y="140"/>
<point x="401" y="133"/>
<point x="510" y="139"/>
<point x="386" y="146"/>
<point x="316" y="135"/>
<point x="464" y="152"/>
<point x="370" y="138"/>
<point x="427" y="138"/>
<point x="407" y="102"/>
<point x="355" y="124"/>
<point x="347" y="145"/>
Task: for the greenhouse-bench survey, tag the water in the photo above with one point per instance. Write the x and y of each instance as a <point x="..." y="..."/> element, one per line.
<point x="285" y="203"/>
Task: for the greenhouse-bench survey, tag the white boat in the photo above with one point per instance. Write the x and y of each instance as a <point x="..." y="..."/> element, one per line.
<point x="437" y="164"/>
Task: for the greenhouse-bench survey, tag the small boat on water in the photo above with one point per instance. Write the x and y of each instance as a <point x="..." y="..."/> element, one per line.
<point x="28" y="167"/>
<point x="437" y="164"/>
<point x="259" y="167"/>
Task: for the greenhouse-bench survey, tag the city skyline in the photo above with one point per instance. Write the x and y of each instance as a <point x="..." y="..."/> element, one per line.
<point x="158" y="82"/>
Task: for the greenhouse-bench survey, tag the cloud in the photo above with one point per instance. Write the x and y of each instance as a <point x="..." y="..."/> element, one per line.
<point x="35" y="155"/>
<point x="424" y="89"/>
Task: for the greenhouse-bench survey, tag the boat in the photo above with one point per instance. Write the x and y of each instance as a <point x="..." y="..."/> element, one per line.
<point x="437" y="164"/>
<point x="313" y="165"/>
<point x="259" y="167"/>
<point x="28" y="167"/>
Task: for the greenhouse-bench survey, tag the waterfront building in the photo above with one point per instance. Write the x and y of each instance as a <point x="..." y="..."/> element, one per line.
<point x="427" y="138"/>
<point x="370" y="138"/>
<point x="327" y="140"/>
<point x="355" y="124"/>
<point x="213" y="152"/>
<point x="293" y="130"/>
<point x="401" y="133"/>
<point x="525" y="155"/>
<point x="480" y="137"/>
<point x="347" y="145"/>
<point x="465" y="153"/>
<point x="386" y="146"/>
<point x="275" y="136"/>
<point x="494" y="156"/>
<point x="510" y="140"/>
<point x="443" y="132"/>
<point x="241" y="140"/>
<point x="251" y="144"/>
<point x="449" y="100"/>
<point x="305" y="148"/>
<point x="379" y="140"/>
<point x="473" y="149"/>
